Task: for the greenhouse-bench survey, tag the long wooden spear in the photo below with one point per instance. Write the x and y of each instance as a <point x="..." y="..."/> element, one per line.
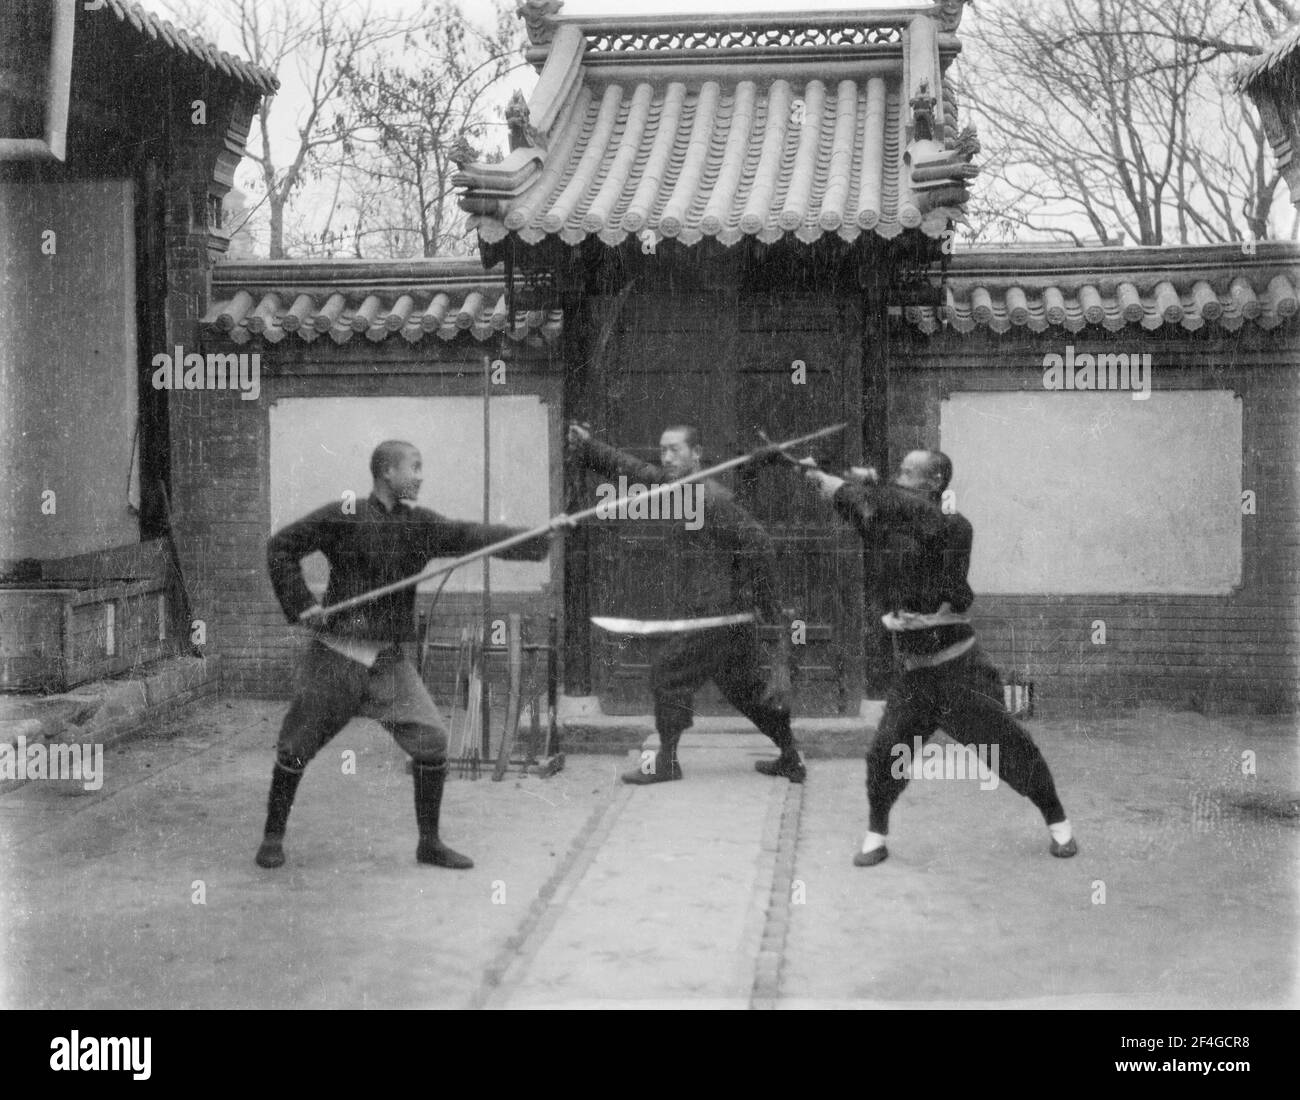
<point x="569" y="520"/>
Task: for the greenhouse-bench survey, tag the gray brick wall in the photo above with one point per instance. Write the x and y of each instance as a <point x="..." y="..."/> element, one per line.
<point x="1239" y="652"/>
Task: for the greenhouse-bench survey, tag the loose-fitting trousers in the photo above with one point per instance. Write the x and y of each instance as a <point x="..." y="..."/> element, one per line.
<point x="334" y="689"/>
<point x="731" y="657"/>
<point x="964" y="698"/>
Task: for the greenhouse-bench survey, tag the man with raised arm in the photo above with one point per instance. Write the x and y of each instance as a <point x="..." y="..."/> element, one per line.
<point x="720" y="567"/>
<point x="945" y="680"/>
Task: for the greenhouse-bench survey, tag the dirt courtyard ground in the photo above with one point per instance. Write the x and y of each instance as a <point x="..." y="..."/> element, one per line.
<point x="726" y="889"/>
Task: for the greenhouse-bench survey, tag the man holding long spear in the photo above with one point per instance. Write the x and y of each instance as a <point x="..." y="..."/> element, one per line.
<point x="356" y="664"/>
<point x="357" y="667"/>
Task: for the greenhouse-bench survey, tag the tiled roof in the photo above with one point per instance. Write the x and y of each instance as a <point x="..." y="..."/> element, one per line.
<point x="721" y="127"/>
<point x="1115" y="288"/>
<point x="1281" y="51"/>
<point x="171" y="38"/>
<point x="344" y="299"/>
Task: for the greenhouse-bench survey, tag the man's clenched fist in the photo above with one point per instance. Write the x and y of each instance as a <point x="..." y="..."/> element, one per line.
<point x="825" y="484"/>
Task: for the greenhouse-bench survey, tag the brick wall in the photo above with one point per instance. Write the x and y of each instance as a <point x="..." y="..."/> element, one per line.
<point x="1235" y="652"/>
<point x="222" y="475"/>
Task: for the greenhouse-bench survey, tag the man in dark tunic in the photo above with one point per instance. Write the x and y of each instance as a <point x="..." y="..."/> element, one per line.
<point x="721" y="567"/>
<point x="945" y="680"/>
<point x="356" y="664"/>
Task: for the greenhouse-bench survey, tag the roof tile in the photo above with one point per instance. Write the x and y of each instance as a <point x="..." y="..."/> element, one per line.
<point x="164" y="34"/>
<point x="243" y="310"/>
<point x="727" y="131"/>
<point x="1143" y="296"/>
<point x="1281" y="51"/>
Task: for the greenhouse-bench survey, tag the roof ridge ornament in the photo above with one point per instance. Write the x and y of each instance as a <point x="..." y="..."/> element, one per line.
<point x="539" y="17"/>
<point x="922" y="105"/>
<point x="461" y="152"/>
<point x="949" y="15"/>
<point x="787" y="33"/>
<point x="519" y="119"/>
<point x="967" y="144"/>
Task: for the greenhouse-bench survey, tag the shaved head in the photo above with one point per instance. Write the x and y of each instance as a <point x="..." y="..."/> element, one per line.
<point x="389" y="454"/>
<point x="926" y="471"/>
<point x="398" y="471"/>
<point x="939" y="468"/>
<point x="690" y="433"/>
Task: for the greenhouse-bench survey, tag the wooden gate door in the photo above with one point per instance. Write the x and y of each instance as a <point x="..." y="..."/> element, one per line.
<point x="729" y="365"/>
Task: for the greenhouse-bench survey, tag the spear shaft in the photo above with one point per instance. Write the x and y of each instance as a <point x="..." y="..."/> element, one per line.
<point x="569" y="520"/>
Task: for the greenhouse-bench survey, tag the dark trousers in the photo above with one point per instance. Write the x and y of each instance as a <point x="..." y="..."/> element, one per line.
<point x="334" y="689"/>
<point x="731" y="657"/>
<point x="964" y="698"/>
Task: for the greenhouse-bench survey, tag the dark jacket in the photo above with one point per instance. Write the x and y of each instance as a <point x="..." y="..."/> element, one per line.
<point x="925" y="555"/>
<point x="371" y="548"/>
<point x="727" y="566"/>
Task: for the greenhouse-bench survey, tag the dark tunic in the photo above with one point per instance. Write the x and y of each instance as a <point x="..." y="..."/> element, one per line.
<point x="727" y="566"/>
<point x="925" y="557"/>
<point x="371" y="548"/>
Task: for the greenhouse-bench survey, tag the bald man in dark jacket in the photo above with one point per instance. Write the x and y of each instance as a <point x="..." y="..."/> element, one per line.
<point x="356" y="664"/>
<point x="945" y="680"/>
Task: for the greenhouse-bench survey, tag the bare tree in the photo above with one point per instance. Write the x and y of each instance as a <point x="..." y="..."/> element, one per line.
<point x="309" y="44"/>
<point x="408" y="122"/>
<point x="243" y="239"/>
<point x="1118" y="116"/>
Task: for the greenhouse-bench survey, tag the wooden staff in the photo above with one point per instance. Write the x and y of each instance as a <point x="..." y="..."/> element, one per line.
<point x="187" y="608"/>
<point x="552" y="684"/>
<point x="514" y="692"/>
<point x="573" y="518"/>
<point x="485" y="706"/>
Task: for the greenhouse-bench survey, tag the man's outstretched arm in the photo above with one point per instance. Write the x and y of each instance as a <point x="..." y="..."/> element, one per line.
<point x="610" y="461"/>
<point x="860" y="501"/>
<point x="444" y="538"/>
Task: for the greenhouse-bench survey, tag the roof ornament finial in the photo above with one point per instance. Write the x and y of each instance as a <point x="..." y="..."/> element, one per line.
<point x="519" y="119"/>
<point x="922" y="105"/>
<point x="967" y="144"/>
<point x="949" y="15"/>
<point x="539" y="16"/>
<point x="462" y="152"/>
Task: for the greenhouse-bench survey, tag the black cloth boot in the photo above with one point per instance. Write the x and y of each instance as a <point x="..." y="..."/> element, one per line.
<point x="429" y="780"/>
<point x="284" y="785"/>
<point x="776" y="724"/>
<point x="789" y="764"/>
<point x="662" y="769"/>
